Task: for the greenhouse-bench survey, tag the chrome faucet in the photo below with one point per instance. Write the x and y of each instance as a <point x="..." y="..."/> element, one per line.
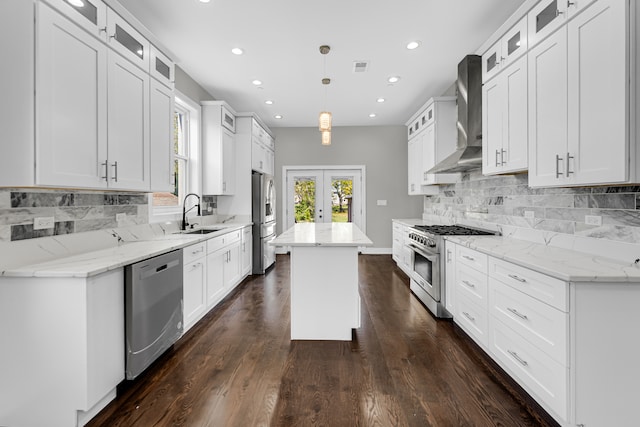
<point x="185" y="210"/>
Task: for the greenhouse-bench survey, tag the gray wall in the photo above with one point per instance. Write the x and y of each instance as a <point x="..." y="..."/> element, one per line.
<point x="382" y="149"/>
<point x="191" y="88"/>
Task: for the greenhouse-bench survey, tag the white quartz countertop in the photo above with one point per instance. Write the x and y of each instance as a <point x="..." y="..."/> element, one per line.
<point x="564" y="264"/>
<point x="323" y="234"/>
<point x="128" y="252"/>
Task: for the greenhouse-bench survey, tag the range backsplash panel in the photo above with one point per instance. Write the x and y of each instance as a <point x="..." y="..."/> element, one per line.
<point x="504" y="199"/>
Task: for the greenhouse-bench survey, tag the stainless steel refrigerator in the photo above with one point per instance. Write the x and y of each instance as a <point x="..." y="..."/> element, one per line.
<point x="263" y="213"/>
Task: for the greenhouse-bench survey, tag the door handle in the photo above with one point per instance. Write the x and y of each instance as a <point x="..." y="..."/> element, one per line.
<point x="115" y="167"/>
<point x="569" y="157"/>
<point x="558" y="159"/>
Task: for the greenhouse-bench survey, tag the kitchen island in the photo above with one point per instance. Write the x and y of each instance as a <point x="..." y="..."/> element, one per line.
<point x="325" y="302"/>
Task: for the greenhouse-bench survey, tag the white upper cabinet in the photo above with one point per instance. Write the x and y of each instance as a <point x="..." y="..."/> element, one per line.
<point x="125" y="40"/>
<point x="544" y="18"/>
<point x="504" y="116"/>
<point x="161" y="107"/>
<point x="262" y="149"/>
<point x="506" y="50"/>
<point x="128" y="125"/>
<point x="432" y="137"/>
<point x="70" y="104"/>
<point x="579" y="77"/>
<point x="162" y="68"/>
<point x="90" y="15"/>
<point x="218" y="148"/>
<point x="93" y="101"/>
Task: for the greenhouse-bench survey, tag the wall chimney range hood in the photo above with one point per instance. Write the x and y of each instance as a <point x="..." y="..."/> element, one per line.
<point x="468" y="153"/>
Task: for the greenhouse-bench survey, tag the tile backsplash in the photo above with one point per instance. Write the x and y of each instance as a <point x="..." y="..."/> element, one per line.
<point x="73" y="211"/>
<point x="508" y="200"/>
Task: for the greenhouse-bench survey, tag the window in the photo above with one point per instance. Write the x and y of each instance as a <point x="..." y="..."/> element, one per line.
<point x="185" y="157"/>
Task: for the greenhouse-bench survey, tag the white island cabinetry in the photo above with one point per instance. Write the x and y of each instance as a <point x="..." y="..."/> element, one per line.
<point x="325" y="301"/>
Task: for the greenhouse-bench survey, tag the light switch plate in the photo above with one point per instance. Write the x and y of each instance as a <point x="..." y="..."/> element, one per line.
<point x="43" y="223"/>
<point x="593" y="219"/>
<point x="529" y="214"/>
<point x="121" y="216"/>
<point x="382" y="203"/>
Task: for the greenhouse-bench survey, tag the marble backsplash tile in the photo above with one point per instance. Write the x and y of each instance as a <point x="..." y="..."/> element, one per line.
<point x="504" y="200"/>
<point x="73" y="211"/>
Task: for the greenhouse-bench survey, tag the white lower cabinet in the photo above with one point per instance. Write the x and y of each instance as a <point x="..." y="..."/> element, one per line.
<point x="247" y="251"/>
<point x="401" y="252"/>
<point x="70" y="338"/>
<point x="450" y="276"/>
<point x="194" y="283"/>
<point x="553" y="337"/>
<point x="211" y="270"/>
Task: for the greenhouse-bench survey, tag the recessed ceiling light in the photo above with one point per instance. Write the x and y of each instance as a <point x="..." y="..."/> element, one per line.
<point x="393" y="79"/>
<point x="413" y="45"/>
<point x="268" y="102"/>
<point x="237" y="51"/>
<point x="76" y="3"/>
<point x="257" y="82"/>
<point x="205" y="1"/>
<point x="380" y="100"/>
<point x="278" y="116"/>
<point x="372" y="115"/>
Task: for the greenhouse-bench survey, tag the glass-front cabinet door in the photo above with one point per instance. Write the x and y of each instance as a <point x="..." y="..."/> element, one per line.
<point x="545" y="18"/>
<point x="124" y="39"/>
<point x="89" y="14"/>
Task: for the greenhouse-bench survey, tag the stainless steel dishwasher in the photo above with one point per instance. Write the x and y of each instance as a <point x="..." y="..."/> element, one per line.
<point x="153" y="309"/>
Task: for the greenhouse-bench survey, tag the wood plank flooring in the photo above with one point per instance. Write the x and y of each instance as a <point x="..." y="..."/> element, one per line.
<point x="237" y="367"/>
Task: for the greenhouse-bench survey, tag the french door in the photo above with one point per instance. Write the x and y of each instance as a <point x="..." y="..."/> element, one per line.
<point x="324" y="195"/>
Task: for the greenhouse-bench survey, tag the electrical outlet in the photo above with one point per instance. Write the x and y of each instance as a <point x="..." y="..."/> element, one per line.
<point x="593" y="219"/>
<point x="382" y="203"/>
<point x="121" y="217"/>
<point x="43" y="223"/>
<point x="529" y="214"/>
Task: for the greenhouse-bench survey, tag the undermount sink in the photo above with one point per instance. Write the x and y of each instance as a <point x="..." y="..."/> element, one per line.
<point x="202" y="231"/>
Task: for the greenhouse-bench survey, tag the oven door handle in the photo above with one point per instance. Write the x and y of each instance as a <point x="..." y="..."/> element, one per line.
<point x="431" y="256"/>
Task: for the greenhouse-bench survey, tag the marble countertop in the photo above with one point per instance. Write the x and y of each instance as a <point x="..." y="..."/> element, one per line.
<point x="412" y="221"/>
<point x="563" y="264"/>
<point x="323" y="234"/>
<point x="129" y="251"/>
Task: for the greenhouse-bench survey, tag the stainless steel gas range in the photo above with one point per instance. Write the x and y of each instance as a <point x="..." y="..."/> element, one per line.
<point x="428" y="266"/>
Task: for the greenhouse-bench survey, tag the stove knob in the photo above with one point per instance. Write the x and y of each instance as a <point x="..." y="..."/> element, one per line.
<point x="431" y="243"/>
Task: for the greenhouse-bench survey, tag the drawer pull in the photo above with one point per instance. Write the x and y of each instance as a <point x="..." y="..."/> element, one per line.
<point x="518" y="358"/>
<point x="468" y="257"/>
<point x="469" y="284"/>
<point x="517" y="313"/>
<point x="197" y="252"/>
<point x="468" y="316"/>
<point x="194" y="266"/>
<point x="519" y="279"/>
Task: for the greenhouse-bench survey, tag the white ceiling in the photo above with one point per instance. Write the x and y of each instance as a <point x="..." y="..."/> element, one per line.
<point x="281" y="40"/>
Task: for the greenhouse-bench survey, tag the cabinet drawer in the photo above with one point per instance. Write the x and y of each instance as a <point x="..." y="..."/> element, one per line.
<point x="472" y="283"/>
<point x="542" y="325"/>
<point x="471" y="258"/>
<point x="193" y="252"/>
<point x="538" y="373"/>
<point x="472" y="318"/>
<point x="540" y="286"/>
<point x="222" y="241"/>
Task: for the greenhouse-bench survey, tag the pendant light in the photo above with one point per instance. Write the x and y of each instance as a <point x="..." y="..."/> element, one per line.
<point x="324" y="119"/>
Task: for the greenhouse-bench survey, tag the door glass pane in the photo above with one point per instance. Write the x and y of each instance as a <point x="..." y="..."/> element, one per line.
<point x="304" y="199"/>
<point x="547" y="15"/>
<point x="341" y="198"/>
<point x="513" y="44"/>
<point x="86" y="9"/>
<point x="126" y="40"/>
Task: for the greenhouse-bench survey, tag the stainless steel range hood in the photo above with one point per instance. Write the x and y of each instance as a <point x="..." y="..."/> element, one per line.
<point x="468" y="154"/>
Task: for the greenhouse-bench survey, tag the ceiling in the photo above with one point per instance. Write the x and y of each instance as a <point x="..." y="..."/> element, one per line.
<point x="281" y="40"/>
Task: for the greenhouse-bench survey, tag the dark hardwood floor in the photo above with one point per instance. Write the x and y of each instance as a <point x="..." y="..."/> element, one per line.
<point x="237" y="367"/>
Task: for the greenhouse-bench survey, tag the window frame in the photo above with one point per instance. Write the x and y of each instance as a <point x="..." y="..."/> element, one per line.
<point x="193" y="156"/>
